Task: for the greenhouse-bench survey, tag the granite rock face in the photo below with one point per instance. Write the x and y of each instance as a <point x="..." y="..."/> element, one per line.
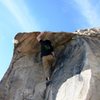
<point x="76" y="75"/>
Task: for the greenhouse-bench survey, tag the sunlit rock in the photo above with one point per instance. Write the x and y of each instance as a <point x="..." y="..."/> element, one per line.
<point x="15" y="41"/>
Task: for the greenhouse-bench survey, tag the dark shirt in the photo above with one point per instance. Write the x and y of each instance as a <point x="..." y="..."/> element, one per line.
<point x="46" y="47"/>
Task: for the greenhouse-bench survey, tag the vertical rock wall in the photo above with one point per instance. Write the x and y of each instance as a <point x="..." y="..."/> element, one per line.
<point x="76" y="74"/>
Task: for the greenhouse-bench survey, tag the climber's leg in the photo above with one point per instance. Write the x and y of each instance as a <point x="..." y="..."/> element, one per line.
<point x="47" y="64"/>
<point x="46" y="67"/>
<point x="52" y="63"/>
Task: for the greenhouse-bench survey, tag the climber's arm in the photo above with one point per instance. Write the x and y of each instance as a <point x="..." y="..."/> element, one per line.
<point x="39" y="36"/>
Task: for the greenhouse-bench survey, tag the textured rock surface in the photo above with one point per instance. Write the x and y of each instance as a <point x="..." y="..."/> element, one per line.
<point x="77" y="70"/>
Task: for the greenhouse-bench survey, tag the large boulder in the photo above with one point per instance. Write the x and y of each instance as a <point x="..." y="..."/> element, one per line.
<point x="76" y="75"/>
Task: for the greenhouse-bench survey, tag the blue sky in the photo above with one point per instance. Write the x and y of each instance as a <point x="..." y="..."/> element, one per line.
<point x="42" y="15"/>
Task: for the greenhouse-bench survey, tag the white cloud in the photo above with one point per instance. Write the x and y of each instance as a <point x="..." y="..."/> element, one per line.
<point x="21" y="13"/>
<point x="89" y="12"/>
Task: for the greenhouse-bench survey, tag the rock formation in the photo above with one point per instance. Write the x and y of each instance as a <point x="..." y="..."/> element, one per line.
<point x="76" y="75"/>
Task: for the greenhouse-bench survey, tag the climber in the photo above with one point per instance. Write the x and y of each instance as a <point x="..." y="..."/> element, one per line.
<point x="47" y="55"/>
